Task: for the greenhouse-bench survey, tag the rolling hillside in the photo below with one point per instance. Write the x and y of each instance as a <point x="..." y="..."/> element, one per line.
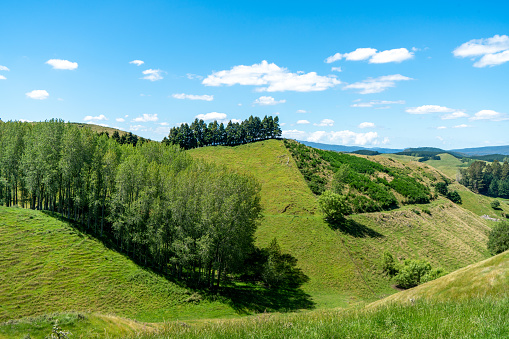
<point x="344" y="266"/>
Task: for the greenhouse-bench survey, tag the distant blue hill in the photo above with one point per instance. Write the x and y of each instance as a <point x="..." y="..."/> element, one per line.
<point x="475" y="151"/>
<point x="341" y="148"/>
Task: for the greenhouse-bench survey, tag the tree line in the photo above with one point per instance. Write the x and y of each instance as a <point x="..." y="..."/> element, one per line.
<point x="199" y="134"/>
<point x="187" y="218"/>
<point x="488" y="179"/>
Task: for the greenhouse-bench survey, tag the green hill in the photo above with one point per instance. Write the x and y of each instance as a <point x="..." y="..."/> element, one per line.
<point x="49" y="266"/>
<point x="344" y="267"/>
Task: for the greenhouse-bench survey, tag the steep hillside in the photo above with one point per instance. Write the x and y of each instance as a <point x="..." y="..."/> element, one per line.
<point x="344" y="265"/>
<point x="48" y="266"/>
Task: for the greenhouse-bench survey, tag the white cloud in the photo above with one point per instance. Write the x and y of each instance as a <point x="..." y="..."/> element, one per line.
<point x="454" y="115"/>
<point x="3" y="68"/>
<point x="487" y="114"/>
<point x="302" y="111"/>
<point x="344" y="138"/>
<point x="38" y="94"/>
<point x="97" y="118"/>
<point x="62" y="64"/>
<point x="135" y="128"/>
<point x="391" y="55"/>
<point x="204" y="97"/>
<point x="336" y="69"/>
<point x="325" y="122"/>
<point x="103" y="125"/>
<point x="212" y="116"/>
<point x="153" y="74"/>
<point x="146" y="118"/>
<point x="293" y="133"/>
<point x="461" y="126"/>
<point x="377" y="85"/>
<point x="191" y="76"/>
<point x="425" y="109"/>
<point x="302" y="122"/>
<point x="441" y="127"/>
<point x="163" y="123"/>
<point x="267" y="100"/>
<point x="2" y="77"/>
<point x="271" y="78"/>
<point x="367" y="125"/>
<point x="333" y="58"/>
<point x="137" y="62"/>
<point x="373" y="103"/>
<point x="375" y="57"/>
<point x="494" y="51"/>
<point x="25" y="120"/>
<point x="120" y="119"/>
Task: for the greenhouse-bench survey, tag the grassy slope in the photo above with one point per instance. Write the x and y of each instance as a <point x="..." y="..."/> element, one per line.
<point x="344" y="266"/>
<point x="488" y="278"/>
<point x="47" y="266"/>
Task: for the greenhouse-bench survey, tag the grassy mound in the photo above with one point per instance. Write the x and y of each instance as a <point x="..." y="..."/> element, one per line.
<point x="48" y="266"/>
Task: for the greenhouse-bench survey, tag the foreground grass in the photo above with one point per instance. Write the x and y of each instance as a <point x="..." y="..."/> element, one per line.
<point x="472" y="318"/>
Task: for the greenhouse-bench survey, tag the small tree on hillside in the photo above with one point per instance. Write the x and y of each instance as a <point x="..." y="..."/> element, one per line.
<point x="334" y="206"/>
<point x="495" y="204"/>
<point x="498" y="239"/>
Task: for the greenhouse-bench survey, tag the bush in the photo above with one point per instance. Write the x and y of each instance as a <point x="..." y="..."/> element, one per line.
<point x="412" y="272"/>
<point x="498" y="239"/>
<point x="454" y="197"/>
<point x="495" y="204"/>
<point x="334" y="206"/>
<point x="389" y="265"/>
<point x="441" y="188"/>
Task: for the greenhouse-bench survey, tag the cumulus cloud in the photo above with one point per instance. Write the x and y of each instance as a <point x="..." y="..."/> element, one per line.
<point x="271" y="78"/>
<point x="374" y="57"/>
<point x="146" y="118"/>
<point x="62" y="64"/>
<point x="267" y="100"/>
<point x="212" y="116"/>
<point x="426" y="109"/>
<point x="97" y="118"/>
<point x="377" y="85"/>
<point x="336" y="69"/>
<point x="441" y="127"/>
<point x="344" y="138"/>
<point x="193" y="97"/>
<point x="301" y="111"/>
<point x="374" y="103"/>
<point x="38" y="94"/>
<point x="137" y="62"/>
<point x="454" y="115"/>
<point x="4" y="68"/>
<point x="461" y="126"/>
<point x="153" y="74"/>
<point x="302" y="122"/>
<point x="493" y="51"/>
<point x="487" y="114"/>
<point x="120" y="119"/>
<point x="367" y="125"/>
<point x="2" y="77"/>
<point x="325" y="122"/>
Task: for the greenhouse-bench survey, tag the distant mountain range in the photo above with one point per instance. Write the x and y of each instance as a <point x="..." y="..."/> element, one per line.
<point x="476" y="151"/>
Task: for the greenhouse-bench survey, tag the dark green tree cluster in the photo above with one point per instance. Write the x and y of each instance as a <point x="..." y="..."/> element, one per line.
<point x="442" y="188"/>
<point x="187" y="218"/>
<point x="488" y="179"/>
<point x="498" y="239"/>
<point x="126" y="138"/>
<point x="199" y="134"/>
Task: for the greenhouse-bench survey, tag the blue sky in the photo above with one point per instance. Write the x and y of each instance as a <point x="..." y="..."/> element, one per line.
<point x="398" y="74"/>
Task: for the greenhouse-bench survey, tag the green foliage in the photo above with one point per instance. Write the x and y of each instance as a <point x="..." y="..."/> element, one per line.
<point x="412" y="272"/>
<point x="334" y="206"/>
<point x="441" y="187"/>
<point x="413" y="191"/>
<point x="498" y="239"/>
<point x="58" y="333"/>
<point x="495" y="204"/>
<point x="389" y="265"/>
<point x="454" y="197"/>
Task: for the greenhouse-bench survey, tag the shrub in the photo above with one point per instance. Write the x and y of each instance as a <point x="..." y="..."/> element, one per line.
<point x="441" y="188"/>
<point x="498" y="239"/>
<point x="495" y="204"/>
<point x="389" y="265"/>
<point x="454" y="197"/>
<point x="334" y="206"/>
<point x="412" y="272"/>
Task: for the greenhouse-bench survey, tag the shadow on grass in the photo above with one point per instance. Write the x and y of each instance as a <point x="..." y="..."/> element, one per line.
<point x="355" y="229"/>
<point x="251" y="298"/>
<point x="244" y="298"/>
